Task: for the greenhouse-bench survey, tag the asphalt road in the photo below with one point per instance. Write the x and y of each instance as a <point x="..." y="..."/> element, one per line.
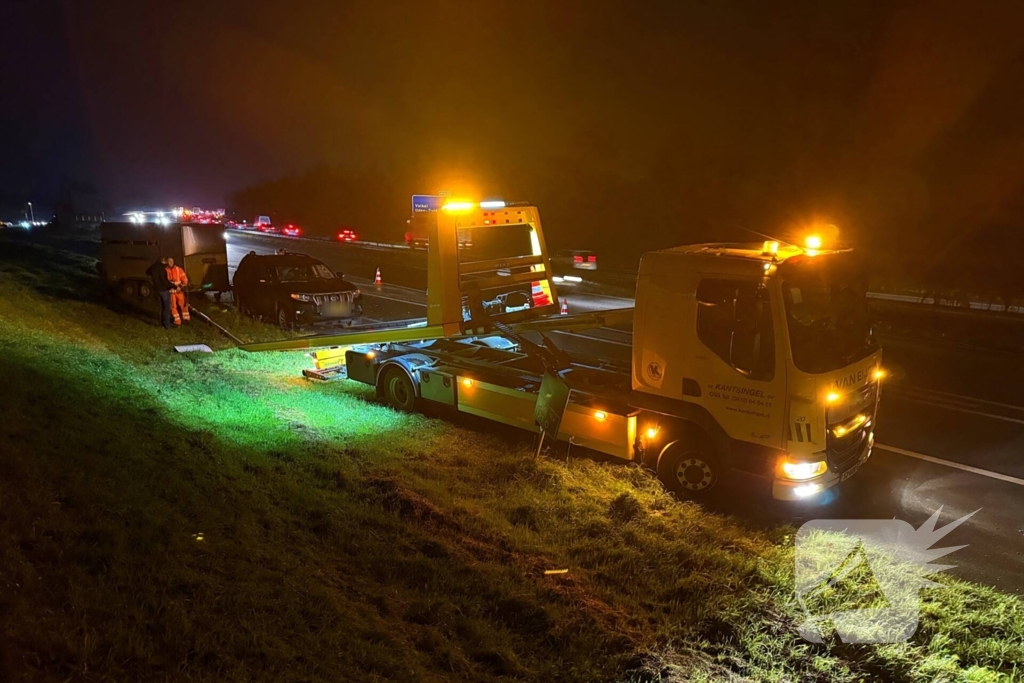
<point x="950" y="431"/>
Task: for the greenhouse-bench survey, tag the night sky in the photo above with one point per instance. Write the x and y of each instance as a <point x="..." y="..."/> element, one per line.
<point x="664" y="120"/>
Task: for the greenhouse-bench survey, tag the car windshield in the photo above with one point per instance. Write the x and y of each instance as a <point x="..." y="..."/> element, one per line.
<point x="302" y="273"/>
<point x="827" y="312"/>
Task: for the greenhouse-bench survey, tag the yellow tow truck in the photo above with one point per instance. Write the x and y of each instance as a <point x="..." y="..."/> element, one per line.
<point x="749" y="361"/>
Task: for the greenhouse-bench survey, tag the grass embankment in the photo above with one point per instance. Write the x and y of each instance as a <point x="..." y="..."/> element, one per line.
<point x="344" y="541"/>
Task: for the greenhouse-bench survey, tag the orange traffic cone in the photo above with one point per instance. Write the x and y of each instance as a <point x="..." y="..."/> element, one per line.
<point x="376" y="278"/>
<point x="565" y="307"/>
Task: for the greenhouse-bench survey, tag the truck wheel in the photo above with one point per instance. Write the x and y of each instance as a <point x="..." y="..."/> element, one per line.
<point x="145" y="290"/>
<point x="690" y="468"/>
<point x="128" y="289"/>
<point x="398" y="390"/>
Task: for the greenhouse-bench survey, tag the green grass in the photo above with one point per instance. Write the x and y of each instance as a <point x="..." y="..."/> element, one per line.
<point x="344" y="541"/>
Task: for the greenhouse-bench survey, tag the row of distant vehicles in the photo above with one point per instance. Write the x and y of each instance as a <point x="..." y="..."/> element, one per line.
<point x="415" y="238"/>
<point x="265" y="225"/>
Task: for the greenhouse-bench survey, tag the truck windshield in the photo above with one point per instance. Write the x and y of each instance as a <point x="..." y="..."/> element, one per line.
<point x="827" y="311"/>
<point x="304" y="273"/>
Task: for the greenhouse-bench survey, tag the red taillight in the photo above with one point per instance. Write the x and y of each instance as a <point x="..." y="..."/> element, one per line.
<point x="577" y="259"/>
<point x="591" y="259"/>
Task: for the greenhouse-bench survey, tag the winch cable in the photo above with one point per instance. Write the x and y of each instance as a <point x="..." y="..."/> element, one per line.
<point x="219" y="327"/>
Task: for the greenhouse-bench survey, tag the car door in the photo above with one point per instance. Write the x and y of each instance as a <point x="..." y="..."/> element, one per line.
<point x="265" y="288"/>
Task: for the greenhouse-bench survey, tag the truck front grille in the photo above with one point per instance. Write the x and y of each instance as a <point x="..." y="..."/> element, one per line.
<point x="845" y="450"/>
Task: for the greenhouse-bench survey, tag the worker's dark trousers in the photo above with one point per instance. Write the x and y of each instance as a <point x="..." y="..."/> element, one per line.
<point x="165" y="309"/>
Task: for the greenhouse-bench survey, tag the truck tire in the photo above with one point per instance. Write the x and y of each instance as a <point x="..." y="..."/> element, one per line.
<point x="398" y="390"/>
<point x="145" y="290"/>
<point x="690" y="468"/>
<point x="128" y="288"/>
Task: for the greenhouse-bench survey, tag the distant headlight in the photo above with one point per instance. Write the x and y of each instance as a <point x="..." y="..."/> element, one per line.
<point x="302" y="297"/>
<point x="803" y="470"/>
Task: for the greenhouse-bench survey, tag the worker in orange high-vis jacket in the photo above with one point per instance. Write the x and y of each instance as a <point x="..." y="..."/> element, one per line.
<point x="179" y="281"/>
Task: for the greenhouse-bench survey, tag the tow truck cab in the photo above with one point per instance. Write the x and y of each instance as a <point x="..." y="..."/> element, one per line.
<point x="766" y="354"/>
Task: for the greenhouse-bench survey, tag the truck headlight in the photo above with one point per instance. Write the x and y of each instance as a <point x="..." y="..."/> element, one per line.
<point x="806" y="490"/>
<point x="302" y="297"/>
<point x="800" y="470"/>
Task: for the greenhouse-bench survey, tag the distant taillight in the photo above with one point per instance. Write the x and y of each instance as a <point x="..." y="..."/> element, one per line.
<point x="591" y="259"/>
<point x="577" y="259"/>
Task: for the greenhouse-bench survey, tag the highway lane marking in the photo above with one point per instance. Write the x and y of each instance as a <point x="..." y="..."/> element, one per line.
<point x="369" y="283"/>
<point x="955" y="406"/>
<point x="948" y="406"/>
<point x="955" y="465"/>
<point x="391" y="298"/>
<point x="587" y="336"/>
<point x="567" y="295"/>
<point x="958" y="397"/>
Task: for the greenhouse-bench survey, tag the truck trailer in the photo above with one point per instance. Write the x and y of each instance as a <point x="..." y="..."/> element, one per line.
<point x="748" y="361"/>
<point x="129" y="248"/>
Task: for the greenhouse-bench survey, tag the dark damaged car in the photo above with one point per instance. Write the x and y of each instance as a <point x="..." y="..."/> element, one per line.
<point x="295" y="290"/>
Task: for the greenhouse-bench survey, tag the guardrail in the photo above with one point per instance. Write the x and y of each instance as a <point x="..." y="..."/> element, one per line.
<point x="318" y="238"/>
<point x="630" y="277"/>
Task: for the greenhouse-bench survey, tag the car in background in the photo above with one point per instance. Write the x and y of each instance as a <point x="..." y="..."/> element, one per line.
<point x="293" y="290"/>
<point x="264" y="224"/>
<point x="580" y="259"/>
<point x="291" y="230"/>
<point x="347" y="235"/>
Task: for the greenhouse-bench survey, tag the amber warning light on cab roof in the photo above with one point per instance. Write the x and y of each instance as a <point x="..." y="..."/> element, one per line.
<point x="461" y="205"/>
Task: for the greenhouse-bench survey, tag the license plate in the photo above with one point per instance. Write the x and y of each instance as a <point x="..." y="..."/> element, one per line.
<point x="850" y="472"/>
<point x="336" y="309"/>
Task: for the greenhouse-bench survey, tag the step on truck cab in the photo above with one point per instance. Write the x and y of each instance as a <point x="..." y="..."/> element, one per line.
<point x="749" y="362"/>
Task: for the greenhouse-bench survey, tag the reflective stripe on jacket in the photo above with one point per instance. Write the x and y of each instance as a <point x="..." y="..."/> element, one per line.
<point x="177" y="276"/>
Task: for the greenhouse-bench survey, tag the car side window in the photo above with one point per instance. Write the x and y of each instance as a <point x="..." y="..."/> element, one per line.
<point x="264" y="274"/>
<point x="734" y="320"/>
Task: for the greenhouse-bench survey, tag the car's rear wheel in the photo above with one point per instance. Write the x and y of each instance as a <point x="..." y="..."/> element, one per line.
<point x="145" y="290"/>
<point x="128" y="288"/>
<point x="398" y="390"/>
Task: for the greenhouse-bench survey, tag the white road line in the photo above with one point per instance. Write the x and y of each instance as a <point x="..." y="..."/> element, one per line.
<point x="950" y="406"/>
<point x="587" y="336"/>
<point x="955" y="465"/>
<point x="391" y="298"/>
<point x="369" y="283"/>
<point x="959" y="397"/>
<point x="951" y="401"/>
